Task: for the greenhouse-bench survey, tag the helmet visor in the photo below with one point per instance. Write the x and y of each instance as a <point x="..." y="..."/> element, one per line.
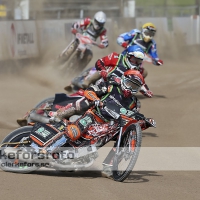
<point x="150" y="33"/>
<point x="133" y="86"/>
<point x="135" y="61"/>
<point x="98" y="25"/>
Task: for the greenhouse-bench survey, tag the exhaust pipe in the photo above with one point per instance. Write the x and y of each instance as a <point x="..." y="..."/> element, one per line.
<point x="39" y="118"/>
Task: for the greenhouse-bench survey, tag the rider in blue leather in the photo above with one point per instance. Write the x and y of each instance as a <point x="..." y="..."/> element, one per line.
<point x="91" y="75"/>
<point x="144" y="39"/>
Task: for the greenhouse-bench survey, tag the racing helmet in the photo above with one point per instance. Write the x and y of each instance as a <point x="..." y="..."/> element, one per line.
<point x="131" y="82"/>
<point x="134" y="57"/>
<point x="99" y="20"/>
<point x="148" y="31"/>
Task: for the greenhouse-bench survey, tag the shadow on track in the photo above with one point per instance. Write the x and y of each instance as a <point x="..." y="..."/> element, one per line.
<point x="81" y="174"/>
<point x="141" y="176"/>
<point x="148" y="134"/>
<point x="134" y="177"/>
<point x="154" y="96"/>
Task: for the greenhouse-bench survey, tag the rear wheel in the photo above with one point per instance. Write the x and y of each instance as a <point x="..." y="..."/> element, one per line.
<point x="125" y="160"/>
<point x="13" y="165"/>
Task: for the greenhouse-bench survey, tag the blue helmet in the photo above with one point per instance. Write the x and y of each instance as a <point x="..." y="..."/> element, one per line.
<point x="134" y="56"/>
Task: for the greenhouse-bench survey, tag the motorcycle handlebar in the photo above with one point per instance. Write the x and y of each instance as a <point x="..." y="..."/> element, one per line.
<point x="78" y="35"/>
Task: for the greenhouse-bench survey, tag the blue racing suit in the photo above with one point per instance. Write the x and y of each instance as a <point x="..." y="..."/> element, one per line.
<point x="135" y="37"/>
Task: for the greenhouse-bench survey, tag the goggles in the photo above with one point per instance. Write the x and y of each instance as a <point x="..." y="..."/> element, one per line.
<point x="132" y="85"/>
<point x="135" y="61"/>
<point x="97" y="24"/>
<point x="150" y="33"/>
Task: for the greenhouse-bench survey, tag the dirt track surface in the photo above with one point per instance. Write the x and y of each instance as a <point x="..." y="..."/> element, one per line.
<point x="175" y="107"/>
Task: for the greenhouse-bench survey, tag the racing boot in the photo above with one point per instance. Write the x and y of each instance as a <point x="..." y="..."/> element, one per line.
<point x="91" y="79"/>
<point x="107" y="171"/>
<point x="22" y="121"/>
<point x="75" y="85"/>
<point x="69" y="88"/>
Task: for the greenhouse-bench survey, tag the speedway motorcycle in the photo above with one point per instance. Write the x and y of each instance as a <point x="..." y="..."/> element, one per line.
<point x="42" y="111"/>
<point x="77" y="82"/>
<point x="77" y="54"/>
<point x="46" y="145"/>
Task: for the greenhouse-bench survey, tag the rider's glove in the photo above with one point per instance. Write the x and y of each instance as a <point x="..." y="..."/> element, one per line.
<point x="157" y="62"/>
<point x="104" y="43"/>
<point x="148" y="93"/>
<point x="104" y="74"/>
<point x="74" y="31"/>
<point x="150" y="122"/>
<point x="124" y="44"/>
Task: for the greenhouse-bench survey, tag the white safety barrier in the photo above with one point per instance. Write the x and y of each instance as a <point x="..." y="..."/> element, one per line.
<point x="50" y="32"/>
<point x="188" y="27"/>
<point x="28" y="39"/>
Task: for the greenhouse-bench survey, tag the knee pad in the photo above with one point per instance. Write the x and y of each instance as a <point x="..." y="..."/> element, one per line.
<point x="66" y="111"/>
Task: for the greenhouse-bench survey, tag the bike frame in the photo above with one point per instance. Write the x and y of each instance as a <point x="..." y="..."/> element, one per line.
<point x="84" y="42"/>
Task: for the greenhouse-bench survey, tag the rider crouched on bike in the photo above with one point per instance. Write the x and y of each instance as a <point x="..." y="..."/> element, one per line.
<point x="93" y="28"/>
<point x="144" y="39"/>
<point x="116" y="91"/>
<point x="109" y="60"/>
<point x="116" y="64"/>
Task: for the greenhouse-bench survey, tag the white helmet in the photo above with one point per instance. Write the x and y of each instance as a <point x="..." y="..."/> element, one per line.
<point x="134" y="57"/>
<point x="99" y="20"/>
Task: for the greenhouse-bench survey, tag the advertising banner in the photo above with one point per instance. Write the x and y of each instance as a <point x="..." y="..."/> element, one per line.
<point x="22" y="39"/>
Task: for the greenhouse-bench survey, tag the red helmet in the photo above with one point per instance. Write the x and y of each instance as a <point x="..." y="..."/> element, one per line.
<point x="131" y="82"/>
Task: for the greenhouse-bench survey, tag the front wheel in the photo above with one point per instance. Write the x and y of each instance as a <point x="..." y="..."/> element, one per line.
<point x="73" y="65"/>
<point x="13" y="165"/>
<point x="125" y="160"/>
<point x="66" y="54"/>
